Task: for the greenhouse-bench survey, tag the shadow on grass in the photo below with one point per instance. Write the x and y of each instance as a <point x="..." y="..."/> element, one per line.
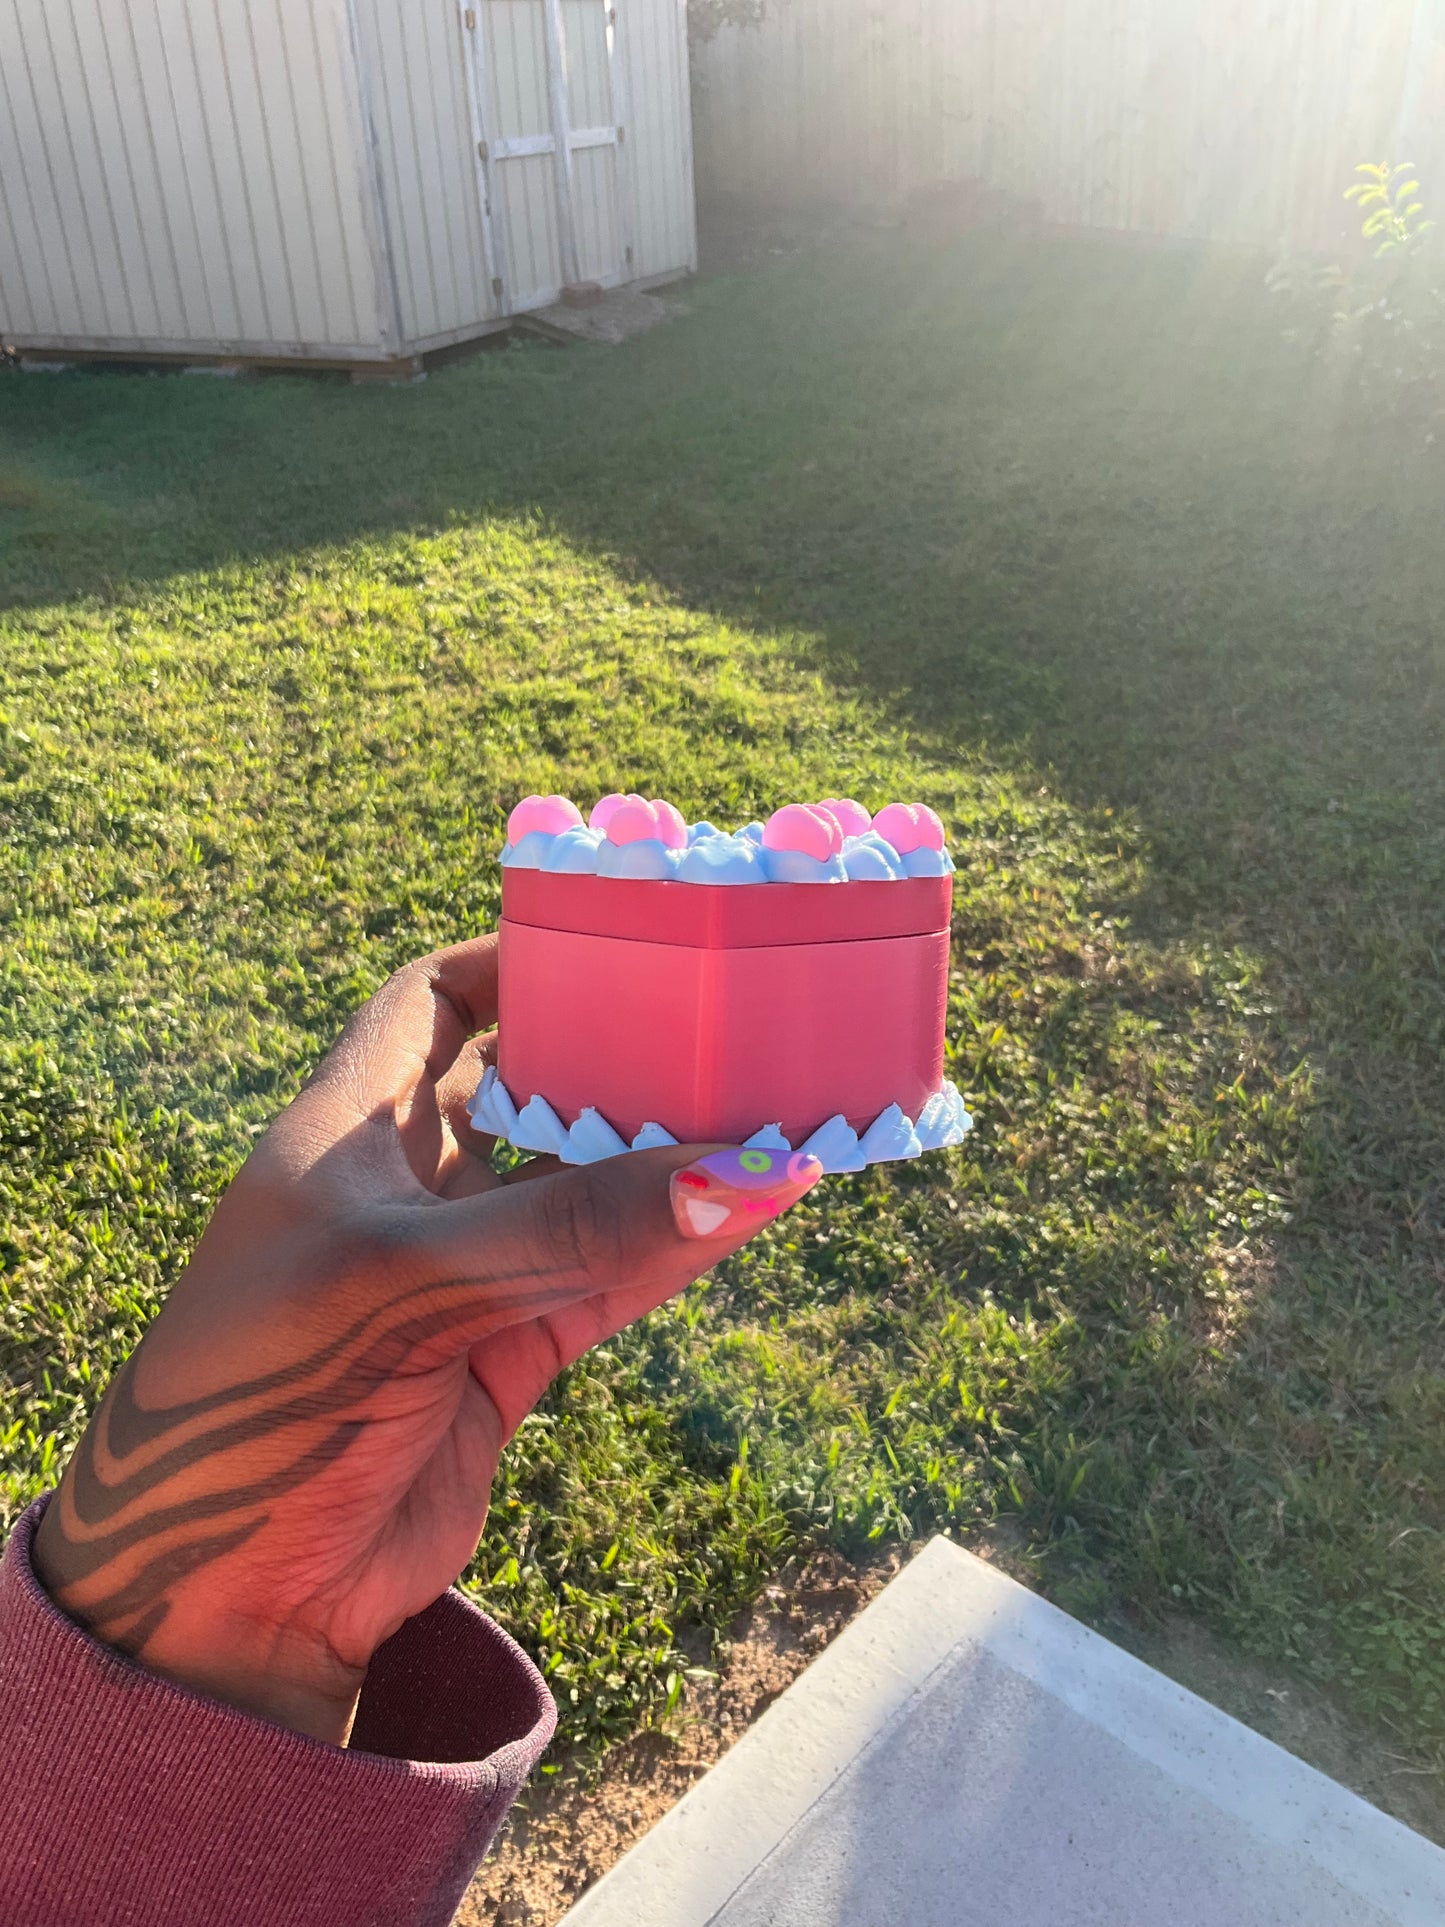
<point x="1056" y="508"/>
<point x="1064" y="505"/>
<point x="1063" y="498"/>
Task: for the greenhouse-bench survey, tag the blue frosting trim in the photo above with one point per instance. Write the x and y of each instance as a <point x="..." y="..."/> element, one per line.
<point x="592" y="1138"/>
<point x="943" y="1121"/>
<point x="835" y="1145"/>
<point x="649" y="858"/>
<point x="928" y="863"/>
<point x="530" y="853"/>
<point x="538" y="1128"/>
<point x="796" y="866"/>
<point x="491" y="1108"/>
<point x="889" y="1137"/>
<point x="714" y="856"/>
<point x="573" y="852"/>
<point x="869" y="859"/>
<point x="722" y="859"/>
<point x="479" y="1104"/>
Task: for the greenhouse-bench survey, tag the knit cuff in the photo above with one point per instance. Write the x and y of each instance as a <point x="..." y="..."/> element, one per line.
<point x="127" y="1798"/>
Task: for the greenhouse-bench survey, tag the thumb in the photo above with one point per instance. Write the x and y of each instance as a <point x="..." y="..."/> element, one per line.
<point x="668" y="1220"/>
<point x="644" y="1225"/>
<point x="627" y="1215"/>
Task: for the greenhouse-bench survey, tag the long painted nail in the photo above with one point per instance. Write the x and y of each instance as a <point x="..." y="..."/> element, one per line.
<point x="733" y="1191"/>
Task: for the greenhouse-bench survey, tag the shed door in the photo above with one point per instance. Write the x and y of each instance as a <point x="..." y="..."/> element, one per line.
<point x="546" y="82"/>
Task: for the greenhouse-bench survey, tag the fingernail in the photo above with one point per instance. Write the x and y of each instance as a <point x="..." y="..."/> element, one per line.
<point x="731" y="1191"/>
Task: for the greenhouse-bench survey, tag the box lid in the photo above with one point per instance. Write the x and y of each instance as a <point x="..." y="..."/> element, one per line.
<point x="717" y="916"/>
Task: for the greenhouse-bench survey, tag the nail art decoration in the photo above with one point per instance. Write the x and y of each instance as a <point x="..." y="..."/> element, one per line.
<point x="729" y="1193"/>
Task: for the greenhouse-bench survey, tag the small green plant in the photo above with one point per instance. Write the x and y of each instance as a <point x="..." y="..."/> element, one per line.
<point x="1384" y="314"/>
<point x="1393" y="218"/>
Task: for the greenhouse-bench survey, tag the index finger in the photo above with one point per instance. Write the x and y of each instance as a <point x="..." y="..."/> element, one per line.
<point x="417" y="1023"/>
<point x="463" y="979"/>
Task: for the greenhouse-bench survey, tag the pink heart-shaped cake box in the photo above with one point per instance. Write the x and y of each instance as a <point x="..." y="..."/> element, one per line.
<point x="714" y="1009"/>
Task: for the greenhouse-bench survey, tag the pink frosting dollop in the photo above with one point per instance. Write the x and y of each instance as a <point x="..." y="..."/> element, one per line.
<point x="910" y="826"/>
<point x="550" y="814"/>
<point x="806" y="827"/>
<point x="851" y="817"/>
<point x="604" y="810"/>
<point x="635" y="819"/>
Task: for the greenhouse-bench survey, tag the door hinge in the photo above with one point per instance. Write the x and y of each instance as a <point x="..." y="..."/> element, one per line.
<point x="627" y="256"/>
<point x="482" y="151"/>
<point x="470" y="17"/>
<point x="612" y="16"/>
<point x="497" y="286"/>
<point x="621" y="135"/>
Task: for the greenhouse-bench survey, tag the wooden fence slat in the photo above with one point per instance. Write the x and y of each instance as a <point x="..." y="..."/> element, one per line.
<point x="1232" y="120"/>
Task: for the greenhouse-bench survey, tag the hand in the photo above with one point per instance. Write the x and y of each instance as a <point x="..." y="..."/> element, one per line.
<point x="299" y="1455"/>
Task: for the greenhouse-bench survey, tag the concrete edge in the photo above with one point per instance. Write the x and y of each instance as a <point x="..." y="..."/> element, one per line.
<point x="685" y="1870"/>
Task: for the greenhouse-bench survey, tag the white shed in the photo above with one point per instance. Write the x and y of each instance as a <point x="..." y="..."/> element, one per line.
<point x="331" y="181"/>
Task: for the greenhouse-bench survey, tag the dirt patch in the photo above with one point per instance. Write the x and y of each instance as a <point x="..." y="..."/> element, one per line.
<point x="566" y="1831"/>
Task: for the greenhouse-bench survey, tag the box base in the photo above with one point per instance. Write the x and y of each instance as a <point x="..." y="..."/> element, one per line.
<point x="710" y="1043"/>
<point x="890" y="1138"/>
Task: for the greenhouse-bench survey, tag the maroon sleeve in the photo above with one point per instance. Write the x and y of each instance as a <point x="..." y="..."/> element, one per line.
<point x="127" y="1799"/>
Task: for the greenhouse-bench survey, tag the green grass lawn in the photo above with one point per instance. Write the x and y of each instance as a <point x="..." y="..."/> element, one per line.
<point x="1063" y="538"/>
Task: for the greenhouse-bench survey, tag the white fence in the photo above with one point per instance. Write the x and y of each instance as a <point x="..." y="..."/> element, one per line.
<point x="1237" y="120"/>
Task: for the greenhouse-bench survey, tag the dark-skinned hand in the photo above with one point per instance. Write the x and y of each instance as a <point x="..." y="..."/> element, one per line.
<point x="299" y="1455"/>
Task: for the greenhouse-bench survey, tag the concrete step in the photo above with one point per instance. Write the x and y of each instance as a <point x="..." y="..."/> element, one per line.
<point x="965" y="1752"/>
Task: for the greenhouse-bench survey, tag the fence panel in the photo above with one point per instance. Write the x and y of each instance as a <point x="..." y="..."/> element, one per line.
<point x="1232" y="120"/>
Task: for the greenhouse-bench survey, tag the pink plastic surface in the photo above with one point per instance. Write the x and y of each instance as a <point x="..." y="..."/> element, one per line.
<point x="711" y="1039"/>
<point x="550" y="814"/>
<point x="726" y="916"/>
<point x="802" y="826"/>
<point x="910" y="826"/>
